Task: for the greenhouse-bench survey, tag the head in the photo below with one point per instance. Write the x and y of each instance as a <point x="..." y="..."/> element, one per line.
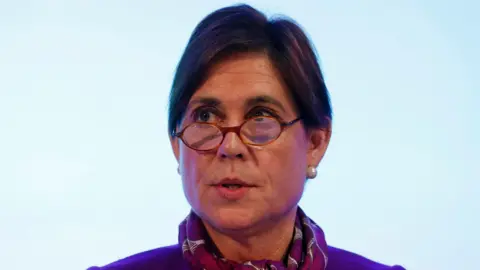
<point x="239" y="65"/>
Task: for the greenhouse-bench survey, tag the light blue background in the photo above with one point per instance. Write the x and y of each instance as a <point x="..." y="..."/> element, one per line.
<point x="86" y="171"/>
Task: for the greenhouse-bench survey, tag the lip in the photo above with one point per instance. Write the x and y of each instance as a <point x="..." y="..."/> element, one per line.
<point x="233" y="181"/>
<point x="232" y="194"/>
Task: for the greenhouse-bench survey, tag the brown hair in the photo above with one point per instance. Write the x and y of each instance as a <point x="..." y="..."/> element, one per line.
<point x="243" y="29"/>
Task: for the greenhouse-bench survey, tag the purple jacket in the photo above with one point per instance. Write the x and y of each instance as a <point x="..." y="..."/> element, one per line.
<point x="170" y="258"/>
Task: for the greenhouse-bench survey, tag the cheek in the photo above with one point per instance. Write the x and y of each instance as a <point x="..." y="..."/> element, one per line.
<point x="191" y="167"/>
<point x="287" y="168"/>
<point x="291" y="154"/>
<point x="190" y="164"/>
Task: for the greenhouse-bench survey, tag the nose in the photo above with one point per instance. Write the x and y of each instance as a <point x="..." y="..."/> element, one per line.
<point x="232" y="147"/>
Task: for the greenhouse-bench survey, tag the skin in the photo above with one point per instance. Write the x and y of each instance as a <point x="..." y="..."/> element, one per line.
<point x="260" y="225"/>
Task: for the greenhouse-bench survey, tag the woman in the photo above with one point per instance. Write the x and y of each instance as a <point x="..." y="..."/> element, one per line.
<point x="249" y="121"/>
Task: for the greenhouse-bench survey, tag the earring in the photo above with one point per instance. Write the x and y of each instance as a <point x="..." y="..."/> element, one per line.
<point x="311" y="172"/>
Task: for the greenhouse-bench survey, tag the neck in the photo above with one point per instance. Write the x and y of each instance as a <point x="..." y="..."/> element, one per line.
<point x="269" y="243"/>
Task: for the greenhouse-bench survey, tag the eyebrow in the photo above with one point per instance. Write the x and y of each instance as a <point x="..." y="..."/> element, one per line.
<point x="209" y="101"/>
<point x="264" y="100"/>
<point x="250" y="102"/>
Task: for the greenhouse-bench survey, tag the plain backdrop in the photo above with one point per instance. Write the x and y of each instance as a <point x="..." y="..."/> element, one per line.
<point x="87" y="175"/>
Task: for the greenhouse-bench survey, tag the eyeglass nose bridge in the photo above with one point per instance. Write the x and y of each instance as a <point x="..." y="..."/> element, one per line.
<point x="237" y="129"/>
<point x="225" y="130"/>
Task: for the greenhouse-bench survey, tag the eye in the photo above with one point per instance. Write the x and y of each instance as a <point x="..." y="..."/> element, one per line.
<point x="204" y="114"/>
<point x="262" y="111"/>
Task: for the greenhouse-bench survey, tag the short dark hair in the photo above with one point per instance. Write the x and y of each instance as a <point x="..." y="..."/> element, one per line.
<point x="242" y="29"/>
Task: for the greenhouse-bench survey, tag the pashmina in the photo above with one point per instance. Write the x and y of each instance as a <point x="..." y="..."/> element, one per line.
<point x="308" y="249"/>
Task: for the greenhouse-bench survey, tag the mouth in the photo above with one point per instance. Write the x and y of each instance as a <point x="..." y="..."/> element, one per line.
<point x="232" y="189"/>
<point x="231" y="186"/>
<point x="233" y="183"/>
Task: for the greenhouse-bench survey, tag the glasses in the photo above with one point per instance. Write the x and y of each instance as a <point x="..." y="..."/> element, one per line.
<point x="254" y="131"/>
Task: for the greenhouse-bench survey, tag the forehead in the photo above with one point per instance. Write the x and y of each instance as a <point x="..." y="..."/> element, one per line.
<point x="239" y="78"/>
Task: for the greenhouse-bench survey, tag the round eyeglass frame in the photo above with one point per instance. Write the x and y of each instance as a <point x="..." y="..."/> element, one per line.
<point x="236" y="130"/>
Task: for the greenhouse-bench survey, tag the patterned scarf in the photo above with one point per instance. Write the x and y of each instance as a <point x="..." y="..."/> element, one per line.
<point x="308" y="249"/>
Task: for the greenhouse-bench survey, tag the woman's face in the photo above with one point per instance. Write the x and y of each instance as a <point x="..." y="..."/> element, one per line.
<point x="273" y="175"/>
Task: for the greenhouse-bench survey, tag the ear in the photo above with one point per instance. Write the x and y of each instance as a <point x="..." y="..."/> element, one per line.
<point x="175" y="146"/>
<point x="318" y="140"/>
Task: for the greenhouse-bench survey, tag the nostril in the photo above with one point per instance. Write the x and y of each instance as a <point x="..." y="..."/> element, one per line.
<point x="236" y="156"/>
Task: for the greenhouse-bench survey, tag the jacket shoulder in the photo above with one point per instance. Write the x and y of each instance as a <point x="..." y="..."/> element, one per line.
<point x="339" y="259"/>
<point x="169" y="257"/>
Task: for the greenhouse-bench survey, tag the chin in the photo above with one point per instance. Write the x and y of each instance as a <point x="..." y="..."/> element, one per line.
<point x="233" y="218"/>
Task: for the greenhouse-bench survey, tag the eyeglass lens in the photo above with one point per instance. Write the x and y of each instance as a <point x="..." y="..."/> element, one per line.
<point x="256" y="131"/>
